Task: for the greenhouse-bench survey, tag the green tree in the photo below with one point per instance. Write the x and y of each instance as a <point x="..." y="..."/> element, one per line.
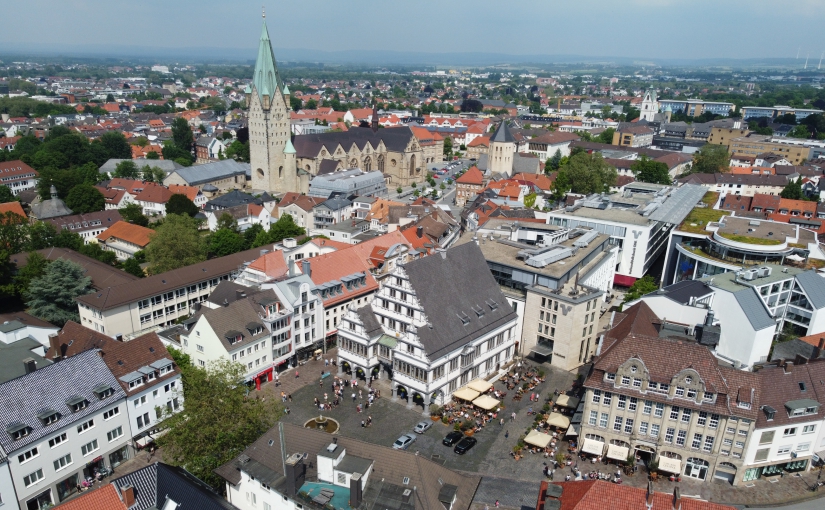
<point x="399" y="189"/>
<point x="226" y="221"/>
<point x="14" y="232"/>
<point x="606" y="136"/>
<point x="152" y="174"/>
<point x="203" y="436"/>
<point x="176" y="243"/>
<point x="800" y="131"/>
<point x="640" y="287"/>
<point x="182" y="135"/>
<point x="250" y="234"/>
<point x="132" y="267"/>
<point x="793" y="190"/>
<point x="295" y="103"/>
<point x="587" y="173"/>
<point x="283" y="228"/>
<point x="152" y="155"/>
<point x="225" y="241"/>
<point x="710" y="159"/>
<point x="85" y="198"/>
<point x="127" y="170"/>
<point x="133" y="213"/>
<point x="180" y="204"/>
<point x="6" y="195"/>
<point x="238" y="151"/>
<point x="89" y="173"/>
<point x="42" y="235"/>
<point x="51" y="297"/>
<point x="311" y="105"/>
<point x="35" y="268"/>
<point x="553" y="162"/>
<point x="114" y="145"/>
<point x="68" y="239"/>
<point x="648" y="170"/>
<point x="448" y="146"/>
<point x="530" y="200"/>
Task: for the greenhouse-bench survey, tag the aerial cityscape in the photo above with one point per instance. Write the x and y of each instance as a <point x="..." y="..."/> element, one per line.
<point x="475" y="262"/>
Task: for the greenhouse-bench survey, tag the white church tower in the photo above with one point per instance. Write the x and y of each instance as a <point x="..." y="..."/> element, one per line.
<point x="271" y="153"/>
<point x="650" y="106"/>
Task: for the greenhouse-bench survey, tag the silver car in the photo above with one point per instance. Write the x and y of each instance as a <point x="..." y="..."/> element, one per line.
<point x="422" y="427"/>
<point x="403" y="442"/>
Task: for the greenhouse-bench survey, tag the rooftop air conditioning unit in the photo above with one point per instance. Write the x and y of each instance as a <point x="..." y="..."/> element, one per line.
<point x="749" y="275"/>
<point x="764" y="271"/>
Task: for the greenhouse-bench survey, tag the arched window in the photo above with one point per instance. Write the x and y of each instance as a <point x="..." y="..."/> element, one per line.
<point x="412" y="164"/>
<point x="367" y="164"/>
<point x="381" y="163"/>
<point x="280" y="172"/>
<point x="260" y="172"/>
<point x="353" y="163"/>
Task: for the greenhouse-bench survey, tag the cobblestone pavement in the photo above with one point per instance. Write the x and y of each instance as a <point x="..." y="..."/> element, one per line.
<point x="513" y="483"/>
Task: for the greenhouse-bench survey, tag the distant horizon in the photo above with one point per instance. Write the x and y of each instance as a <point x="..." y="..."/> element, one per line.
<point x="657" y="32"/>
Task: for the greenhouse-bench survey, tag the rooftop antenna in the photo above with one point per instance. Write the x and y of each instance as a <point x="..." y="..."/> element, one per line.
<point x="263" y="14"/>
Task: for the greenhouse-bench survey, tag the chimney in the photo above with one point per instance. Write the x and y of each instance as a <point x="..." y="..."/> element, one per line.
<point x="239" y="294"/>
<point x="800" y="360"/>
<point x="128" y="493"/>
<point x="419" y="231"/>
<point x="54" y="344"/>
<point x="295" y="474"/>
<point x="30" y="365"/>
<point x="709" y="318"/>
<point x="677" y="499"/>
<point x="291" y="267"/>
<point x="649" y="498"/>
<point x="788" y="367"/>
<point x="306" y="267"/>
<point x="355" y="490"/>
<point x="225" y="302"/>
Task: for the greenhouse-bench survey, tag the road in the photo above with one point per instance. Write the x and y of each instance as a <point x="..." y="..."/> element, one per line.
<point x="449" y="193"/>
<point x="814" y="504"/>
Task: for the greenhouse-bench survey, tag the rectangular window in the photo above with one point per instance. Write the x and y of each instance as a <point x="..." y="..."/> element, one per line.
<point x="27" y="456"/>
<point x="783" y="450"/>
<point x="603" y="420"/>
<point x="791" y="431"/>
<point x="807" y="429"/>
<point x="669" y="435"/>
<point x="766" y="437"/>
<point x="654" y="430"/>
<point x="686" y="415"/>
<point x="625" y="380"/>
<point x="708" y="443"/>
<point x="697" y="441"/>
<point x="643" y="426"/>
<point x="622" y="402"/>
<point x="88" y="448"/>
<point x="740" y="444"/>
<point x="660" y="410"/>
<point x="674" y="413"/>
<point x="702" y="419"/>
<point x="681" y="437"/>
<point x="114" y="434"/>
<point x="608" y="398"/>
<point x="632" y="405"/>
<point x="762" y="455"/>
<point x="56" y="440"/>
<point x="803" y="447"/>
<point x="594" y="417"/>
<point x="714" y="421"/>
<point x="62" y="462"/>
<point x="617" y="423"/>
<point x="611" y="377"/>
<point x="637" y="383"/>
<point x="628" y="426"/>
<point x="83" y="427"/>
<point x="113" y="412"/>
<point x="597" y="396"/>
<point x="646" y="408"/>
<point x="33" y="478"/>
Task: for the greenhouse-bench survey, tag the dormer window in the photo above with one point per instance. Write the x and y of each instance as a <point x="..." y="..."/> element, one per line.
<point x="18" y="430"/>
<point x="77" y="403"/>
<point x="611" y="377"/>
<point x="625" y="380"/>
<point x="48" y="417"/>
<point x="770" y="412"/>
<point x="104" y="391"/>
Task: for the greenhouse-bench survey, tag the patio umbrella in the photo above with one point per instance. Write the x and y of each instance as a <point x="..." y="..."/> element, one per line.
<point x="466" y="394"/>
<point x="486" y="402"/>
<point x="567" y="401"/>
<point x="480" y="385"/>
<point x="558" y="420"/>
<point x="539" y="439"/>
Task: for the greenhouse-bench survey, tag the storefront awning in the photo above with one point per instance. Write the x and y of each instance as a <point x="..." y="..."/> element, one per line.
<point x="617" y="452"/>
<point x="577" y="418"/>
<point x="388" y="341"/>
<point x="486" y="402"/>
<point x="480" y="385"/>
<point x="574" y="430"/>
<point x="567" y="401"/>
<point x="670" y="465"/>
<point x="542" y="349"/>
<point x="592" y="447"/>
<point x="539" y="439"/>
<point x="623" y="281"/>
<point x="558" y="420"/>
<point x="466" y="393"/>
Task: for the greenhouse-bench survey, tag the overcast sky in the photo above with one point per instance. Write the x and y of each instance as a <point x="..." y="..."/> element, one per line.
<point x="627" y="28"/>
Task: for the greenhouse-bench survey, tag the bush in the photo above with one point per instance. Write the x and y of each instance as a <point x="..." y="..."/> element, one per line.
<point x="541" y="374"/>
<point x="467" y="425"/>
<point x="545" y="408"/>
<point x="457" y="427"/>
<point x="435" y="410"/>
<point x="445" y="420"/>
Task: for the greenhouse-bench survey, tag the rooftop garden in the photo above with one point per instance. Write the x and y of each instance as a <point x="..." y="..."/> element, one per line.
<point x="750" y="240"/>
<point x="699" y="217"/>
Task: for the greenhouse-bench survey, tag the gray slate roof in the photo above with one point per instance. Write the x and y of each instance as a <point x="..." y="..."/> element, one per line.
<point x="13" y="354"/>
<point x="682" y="292"/>
<point x="235" y="318"/>
<point x="231" y="199"/>
<point x="395" y="139"/>
<point x="155" y="483"/>
<point x="789" y="350"/>
<point x="450" y="285"/>
<point x="754" y="309"/>
<point x="201" y="174"/>
<point x="51" y="208"/>
<point x="22" y="399"/>
<point x="814" y="287"/>
<point x="371" y="325"/>
<point x="503" y="134"/>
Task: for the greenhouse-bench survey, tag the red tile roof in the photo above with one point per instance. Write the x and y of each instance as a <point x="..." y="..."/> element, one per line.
<point x="104" y="498"/>
<point x="128" y="232"/>
<point x="471" y="176"/>
<point x="13" y="207"/>
<point x="333" y="266"/>
<point x="272" y="264"/>
<point x="154" y="193"/>
<point x="601" y="495"/>
<point x="191" y="192"/>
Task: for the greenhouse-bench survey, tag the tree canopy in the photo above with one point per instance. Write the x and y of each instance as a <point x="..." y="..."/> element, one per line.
<point x="225" y="241"/>
<point x="283" y="228"/>
<point x="175" y="243"/>
<point x="585" y="173"/>
<point x="710" y="159"/>
<point x="133" y="213"/>
<point x="85" y="198"/>
<point x="640" y="287"/>
<point x="648" y="170"/>
<point x="180" y="204"/>
<point x="51" y="297"/>
<point x="202" y="435"/>
<point x="793" y="190"/>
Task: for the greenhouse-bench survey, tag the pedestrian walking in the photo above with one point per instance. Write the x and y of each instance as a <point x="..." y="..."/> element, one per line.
<point x="296" y="373"/>
<point x="326" y="397"/>
<point x="363" y="424"/>
<point x="326" y="362"/>
<point x="360" y="395"/>
<point x="497" y="504"/>
<point x="506" y="434"/>
<point x="513" y="416"/>
<point x="353" y="396"/>
<point x="502" y="422"/>
<point x="289" y="397"/>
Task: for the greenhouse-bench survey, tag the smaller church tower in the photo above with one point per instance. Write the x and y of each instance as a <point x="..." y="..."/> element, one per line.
<point x="650" y="106"/>
<point x="374" y="120"/>
<point x="502" y="150"/>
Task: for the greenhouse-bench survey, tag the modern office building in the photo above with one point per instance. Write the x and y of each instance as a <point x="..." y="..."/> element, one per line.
<point x="352" y="182"/>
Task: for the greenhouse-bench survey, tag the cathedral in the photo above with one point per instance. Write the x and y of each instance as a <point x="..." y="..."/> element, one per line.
<point x="281" y="163"/>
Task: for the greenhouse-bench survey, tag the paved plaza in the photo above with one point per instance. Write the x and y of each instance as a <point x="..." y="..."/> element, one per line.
<point x="513" y="483"/>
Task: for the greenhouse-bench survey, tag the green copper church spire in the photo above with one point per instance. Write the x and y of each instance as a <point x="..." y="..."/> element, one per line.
<point x="266" y="79"/>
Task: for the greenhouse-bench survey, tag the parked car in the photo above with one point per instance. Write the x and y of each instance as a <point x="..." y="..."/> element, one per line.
<point x="403" y="442"/>
<point x="464" y="445"/>
<point x="452" y="438"/>
<point x="422" y="427"/>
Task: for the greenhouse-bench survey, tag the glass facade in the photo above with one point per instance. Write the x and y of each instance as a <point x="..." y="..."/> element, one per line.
<point x="118" y="456"/>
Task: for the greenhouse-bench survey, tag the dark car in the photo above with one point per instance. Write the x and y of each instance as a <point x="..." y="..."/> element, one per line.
<point x="452" y="438"/>
<point x="464" y="445"/>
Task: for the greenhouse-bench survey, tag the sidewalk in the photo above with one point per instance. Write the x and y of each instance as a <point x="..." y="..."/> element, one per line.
<point x="308" y="373"/>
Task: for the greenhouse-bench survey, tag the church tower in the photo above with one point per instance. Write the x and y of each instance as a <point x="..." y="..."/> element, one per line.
<point x="502" y="151"/>
<point x="271" y="153"/>
<point x="650" y="106"/>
